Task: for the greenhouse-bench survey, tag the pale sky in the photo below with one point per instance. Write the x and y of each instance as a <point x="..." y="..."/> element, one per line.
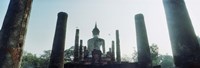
<point x="110" y="15"/>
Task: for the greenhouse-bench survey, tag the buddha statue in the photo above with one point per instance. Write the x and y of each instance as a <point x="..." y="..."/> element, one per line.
<point x="95" y="43"/>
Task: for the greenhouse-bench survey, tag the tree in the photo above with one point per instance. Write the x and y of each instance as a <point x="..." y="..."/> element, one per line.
<point x="29" y="60"/>
<point x="154" y="54"/>
<point x="167" y="61"/>
<point x="135" y="55"/>
<point x="45" y="58"/>
<point x="68" y="54"/>
<point x="125" y="58"/>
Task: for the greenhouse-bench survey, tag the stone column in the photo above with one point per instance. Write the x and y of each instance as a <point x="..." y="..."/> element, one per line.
<point x="118" y="47"/>
<point x="81" y="50"/>
<point x="13" y="33"/>
<point x="110" y="50"/>
<point x="76" y="46"/>
<point x="57" y="53"/>
<point x="103" y="47"/>
<point x="144" y="55"/>
<point x="185" y="46"/>
<point x="85" y="53"/>
<point x="113" y="50"/>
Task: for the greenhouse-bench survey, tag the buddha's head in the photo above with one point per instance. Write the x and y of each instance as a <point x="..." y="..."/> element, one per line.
<point x="95" y="31"/>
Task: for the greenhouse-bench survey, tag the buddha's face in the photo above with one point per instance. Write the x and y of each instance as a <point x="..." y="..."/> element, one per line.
<point x="95" y="36"/>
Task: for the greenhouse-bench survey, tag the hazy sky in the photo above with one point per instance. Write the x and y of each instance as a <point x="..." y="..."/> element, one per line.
<point x="110" y="15"/>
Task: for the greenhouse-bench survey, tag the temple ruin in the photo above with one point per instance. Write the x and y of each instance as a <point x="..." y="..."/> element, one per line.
<point x="185" y="47"/>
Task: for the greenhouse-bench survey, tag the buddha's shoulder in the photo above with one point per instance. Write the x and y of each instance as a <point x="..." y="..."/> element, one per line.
<point x="101" y="39"/>
<point x="92" y="39"/>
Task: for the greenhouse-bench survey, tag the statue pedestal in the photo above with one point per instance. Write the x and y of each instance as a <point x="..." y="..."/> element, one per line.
<point x="97" y="58"/>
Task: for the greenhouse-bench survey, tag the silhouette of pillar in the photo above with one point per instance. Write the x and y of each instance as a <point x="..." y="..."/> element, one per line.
<point x="113" y="50"/>
<point x="81" y="50"/>
<point x="13" y="33"/>
<point x="57" y="53"/>
<point x="76" y="46"/>
<point x="144" y="55"/>
<point x="110" y="50"/>
<point x="118" y="47"/>
<point x="85" y="53"/>
<point x="185" y="46"/>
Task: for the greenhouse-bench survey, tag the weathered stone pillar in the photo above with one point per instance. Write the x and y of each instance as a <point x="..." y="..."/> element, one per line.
<point x="81" y="50"/>
<point x="13" y="33"/>
<point x="185" y="46"/>
<point x="144" y="55"/>
<point x="118" y="47"/>
<point x="86" y="53"/>
<point x="113" y="50"/>
<point x="103" y="47"/>
<point x="110" y="50"/>
<point x="57" y="53"/>
<point x="76" y="46"/>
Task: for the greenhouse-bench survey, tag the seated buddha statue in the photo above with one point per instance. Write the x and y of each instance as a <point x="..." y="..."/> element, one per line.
<point x="96" y="43"/>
